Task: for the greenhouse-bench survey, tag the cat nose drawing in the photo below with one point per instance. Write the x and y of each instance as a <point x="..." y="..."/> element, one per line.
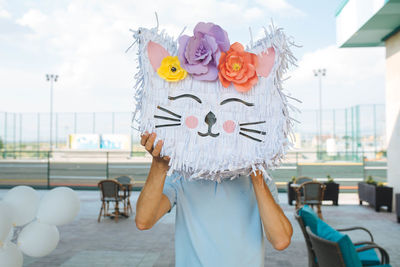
<point x="210" y="120"/>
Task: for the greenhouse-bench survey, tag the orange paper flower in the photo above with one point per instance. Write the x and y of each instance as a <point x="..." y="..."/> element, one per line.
<point x="238" y="67"/>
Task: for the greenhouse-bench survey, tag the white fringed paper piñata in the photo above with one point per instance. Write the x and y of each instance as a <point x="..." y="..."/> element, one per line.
<point x="219" y="108"/>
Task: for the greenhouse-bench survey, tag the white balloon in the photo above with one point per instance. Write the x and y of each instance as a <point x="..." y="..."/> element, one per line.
<point x="11" y="256"/>
<point x="58" y="206"/>
<point x="38" y="239"/>
<point x="10" y="235"/>
<point x="5" y="220"/>
<point x="24" y="201"/>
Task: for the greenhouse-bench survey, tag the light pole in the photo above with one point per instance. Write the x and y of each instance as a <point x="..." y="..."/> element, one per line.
<point x="52" y="78"/>
<point x="320" y="73"/>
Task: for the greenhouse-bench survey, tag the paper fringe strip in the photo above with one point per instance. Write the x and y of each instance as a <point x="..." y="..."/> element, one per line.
<point x="273" y="37"/>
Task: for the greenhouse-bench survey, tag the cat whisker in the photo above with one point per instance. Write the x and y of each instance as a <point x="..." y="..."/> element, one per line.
<point x="294" y="120"/>
<point x="168" y="125"/>
<point x="251" y="123"/>
<point x="166" y="118"/>
<point x="169" y="112"/>
<point x="248" y="136"/>
<point x="253" y="131"/>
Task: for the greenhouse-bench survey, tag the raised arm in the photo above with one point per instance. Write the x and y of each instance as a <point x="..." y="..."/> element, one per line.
<point x="277" y="227"/>
<point x="152" y="204"/>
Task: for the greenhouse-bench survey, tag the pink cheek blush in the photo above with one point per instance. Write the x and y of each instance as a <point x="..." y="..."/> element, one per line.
<point x="229" y="126"/>
<point x="191" y="122"/>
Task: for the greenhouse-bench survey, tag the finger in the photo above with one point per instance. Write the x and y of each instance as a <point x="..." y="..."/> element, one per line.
<point x="157" y="149"/>
<point x="167" y="158"/>
<point x="144" y="138"/>
<point x="150" y="142"/>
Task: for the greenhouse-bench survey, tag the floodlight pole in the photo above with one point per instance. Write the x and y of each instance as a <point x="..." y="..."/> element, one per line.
<point x="52" y="78"/>
<point x="320" y="73"/>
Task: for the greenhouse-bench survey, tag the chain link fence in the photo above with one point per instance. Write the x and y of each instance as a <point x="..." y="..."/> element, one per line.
<point x="349" y="147"/>
<point x="31" y="131"/>
<point x="344" y="133"/>
<point x="347" y="132"/>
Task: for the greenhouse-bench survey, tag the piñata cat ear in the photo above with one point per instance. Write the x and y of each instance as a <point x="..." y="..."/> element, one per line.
<point x="266" y="62"/>
<point x="156" y="53"/>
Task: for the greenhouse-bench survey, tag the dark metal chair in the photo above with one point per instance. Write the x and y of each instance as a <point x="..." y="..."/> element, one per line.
<point x="310" y="251"/>
<point x="329" y="254"/>
<point x="126" y="181"/>
<point x="110" y="193"/>
<point x="311" y="254"/>
<point x="310" y="193"/>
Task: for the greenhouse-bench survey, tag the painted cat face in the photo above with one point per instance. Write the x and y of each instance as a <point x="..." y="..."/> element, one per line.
<point x="211" y="131"/>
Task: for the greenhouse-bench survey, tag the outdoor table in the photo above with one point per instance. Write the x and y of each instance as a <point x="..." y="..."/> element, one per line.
<point x="295" y="186"/>
<point x="127" y="188"/>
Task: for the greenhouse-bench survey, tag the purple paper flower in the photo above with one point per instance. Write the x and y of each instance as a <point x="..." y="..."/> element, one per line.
<point x="199" y="54"/>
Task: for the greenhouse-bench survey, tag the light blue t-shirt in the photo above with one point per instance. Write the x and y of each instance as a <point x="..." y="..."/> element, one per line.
<point x="217" y="224"/>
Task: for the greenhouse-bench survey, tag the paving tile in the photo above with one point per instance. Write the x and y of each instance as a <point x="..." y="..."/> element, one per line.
<point x="85" y="242"/>
<point x="149" y="259"/>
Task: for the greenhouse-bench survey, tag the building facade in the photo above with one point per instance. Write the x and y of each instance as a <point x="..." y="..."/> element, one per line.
<point x="372" y="23"/>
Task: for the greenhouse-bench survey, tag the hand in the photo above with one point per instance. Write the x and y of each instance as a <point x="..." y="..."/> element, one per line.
<point x="257" y="178"/>
<point x="147" y="140"/>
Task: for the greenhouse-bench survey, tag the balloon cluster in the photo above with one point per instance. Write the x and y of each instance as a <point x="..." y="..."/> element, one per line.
<point x="22" y="206"/>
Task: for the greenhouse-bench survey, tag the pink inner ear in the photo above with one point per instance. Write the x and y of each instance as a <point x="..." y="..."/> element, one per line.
<point x="156" y="53"/>
<point x="266" y="62"/>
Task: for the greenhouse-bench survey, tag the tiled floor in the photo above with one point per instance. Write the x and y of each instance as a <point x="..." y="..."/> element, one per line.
<point x="87" y="243"/>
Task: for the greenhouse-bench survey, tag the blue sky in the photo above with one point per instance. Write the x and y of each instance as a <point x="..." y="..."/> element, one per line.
<point x="316" y="28"/>
<point x="84" y="42"/>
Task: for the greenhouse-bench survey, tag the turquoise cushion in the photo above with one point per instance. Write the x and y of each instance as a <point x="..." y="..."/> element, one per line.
<point x="368" y="257"/>
<point x="384" y="265"/>
<point x="347" y="248"/>
<point x="309" y="217"/>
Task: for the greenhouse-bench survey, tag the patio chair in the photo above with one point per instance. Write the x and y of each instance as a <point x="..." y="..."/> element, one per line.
<point x="302" y="179"/>
<point x="332" y="254"/>
<point x="306" y="217"/>
<point x="126" y="181"/>
<point x="295" y="184"/>
<point x="310" y="193"/>
<point x="311" y="255"/>
<point x="110" y="193"/>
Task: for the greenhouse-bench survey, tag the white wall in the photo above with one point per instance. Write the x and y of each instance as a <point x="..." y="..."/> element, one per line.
<point x="393" y="110"/>
<point x="353" y="16"/>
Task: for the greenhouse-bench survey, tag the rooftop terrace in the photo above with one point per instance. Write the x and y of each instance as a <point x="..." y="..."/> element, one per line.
<point x="88" y="243"/>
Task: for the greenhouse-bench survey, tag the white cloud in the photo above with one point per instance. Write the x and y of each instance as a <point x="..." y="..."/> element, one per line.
<point x="84" y="43"/>
<point x="21" y="88"/>
<point x="252" y="13"/>
<point x="354" y="76"/>
<point x="33" y="18"/>
<point x="4" y="14"/>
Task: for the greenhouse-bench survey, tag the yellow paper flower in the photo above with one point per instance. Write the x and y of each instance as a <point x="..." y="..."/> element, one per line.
<point x="170" y="69"/>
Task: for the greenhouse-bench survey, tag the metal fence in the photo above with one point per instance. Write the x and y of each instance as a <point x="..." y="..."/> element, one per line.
<point x="32" y="130"/>
<point x="84" y="169"/>
<point x="356" y="129"/>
